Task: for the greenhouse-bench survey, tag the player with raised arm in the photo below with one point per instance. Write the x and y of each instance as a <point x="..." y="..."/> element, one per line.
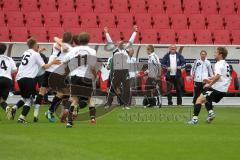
<point x="215" y="88"/>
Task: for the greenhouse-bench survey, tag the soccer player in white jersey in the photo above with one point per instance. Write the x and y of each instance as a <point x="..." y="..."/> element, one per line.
<point x="215" y="88"/>
<point x="7" y="67"/>
<point x="27" y="71"/>
<point x="83" y="74"/>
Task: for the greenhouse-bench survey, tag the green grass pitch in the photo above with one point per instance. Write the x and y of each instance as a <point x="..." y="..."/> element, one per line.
<point x="125" y="135"/>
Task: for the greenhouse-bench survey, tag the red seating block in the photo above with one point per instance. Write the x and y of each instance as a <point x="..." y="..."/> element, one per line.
<point x="221" y="37"/>
<point x="15" y="19"/>
<point x="88" y="20"/>
<point x="173" y="6"/>
<point x="226" y="7"/>
<point x="84" y="6"/>
<point x="39" y="33"/>
<point x="34" y="19"/>
<point x="102" y="6"/>
<point x="2" y="21"/>
<point x="149" y="36"/>
<point x="167" y="36"/>
<point x="155" y="6"/>
<point x="161" y="21"/>
<point x="236" y="37"/>
<point x="52" y="19"/>
<point x="19" y="34"/>
<point x="29" y="6"/>
<point x="143" y="20"/>
<point x="191" y="6"/>
<point x="48" y="6"/>
<point x="179" y="21"/>
<point x="126" y="33"/>
<point x="120" y="6"/>
<point x="215" y="22"/>
<point x="107" y="19"/>
<point x="232" y="22"/>
<point x="197" y="21"/>
<point x="185" y="37"/>
<point x="4" y="34"/>
<point x="66" y="6"/>
<point x="209" y="7"/>
<point x="96" y="35"/>
<point x="124" y="20"/>
<point x="11" y="5"/>
<point x="138" y="6"/>
<point x="54" y="31"/>
<point x="70" y="19"/>
<point x="203" y="37"/>
<point x="115" y="34"/>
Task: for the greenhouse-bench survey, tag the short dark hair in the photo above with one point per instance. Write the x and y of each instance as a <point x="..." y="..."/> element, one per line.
<point x="67" y="37"/>
<point x="223" y="51"/>
<point x="151" y="48"/>
<point x="31" y="42"/>
<point x="75" y="39"/>
<point x="84" y="38"/>
<point x="3" y="48"/>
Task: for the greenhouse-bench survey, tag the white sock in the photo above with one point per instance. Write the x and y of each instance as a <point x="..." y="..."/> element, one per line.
<point x="22" y="117"/>
<point x="14" y="107"/>
<point x="36" y="110"/>
<point x="210" y="111"/>
<point x="195" y="118"/>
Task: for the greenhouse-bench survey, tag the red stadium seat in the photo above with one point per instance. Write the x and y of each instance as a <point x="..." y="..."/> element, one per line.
<point x="29" y="6"/>
<point x="66" y="6"/>
<point x="221" y="37"/>
<point x="167" y="36"/>
<point x="15" y="19"/>
<point x="236" y="37"/>
<point x="215" y="22"/>
<point x="74" y="30"/>
<point x="191" y="6"/>
<point x="138" y="6"/>
<point x="197" y="21"/>
<point x="88" y="20"/>
<point x="149" y="36"/>
<point x="19" y="34"/>
<point x="185" y="37"/>
<point x="102" y="6"/>
<point x="115" y="34"/>
<point x="155" y="6"/>
<point x="52" y="19"/>
<point x="34" y="19"/>
<point x="96" y="35"/>
<point x="173" y="6"/>
<point x="226" y="7"/>
<point x="126" y="33"/>
<point x="84" y="6"/>
<point x="48" y="6"/>
<point x="12" y="5"/>
<point x="125" y="20"/>
<point x="209" y="7"/>
<point x="203" y="37"/>
<point x="54" y="31"/>
<point x="4" y="34"/>
<point x="70" y="19"/>
<point x="2" y="19"/>
<point x="232" y="22"/>
<point x="107" y="19"/>
<point x="161" y="21"/>
<point x="120" y="6"/>
<point x="143" y="20"/>
<point x="179" y="21"/>
<point x="39" y="33"/>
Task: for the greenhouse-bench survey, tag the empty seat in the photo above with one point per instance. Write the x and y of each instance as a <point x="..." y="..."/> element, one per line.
<point x="102" y="6"/>
<point x="115" y="34"/>
<point x="120" y="6"/>
<point x="29" y="6"/>
<point x="66" y="6"/>
<point x="48" y="6"/>
<point x="54" y="31"/>
<point x="236" y="37"/>
<point x="173" y="6"/>
<point x="215" y="22"/>
<point x="155" y="6"/>
<point x="138" y="6"/>
<point x="143" y="20"/>
<point x="88" y="20"/>
<point x="84" y="6"/>
<point x="96" y="35"/>
<point x="4" y="34"/>
<point x="38" y="33"/>
<point x="2" y="21"/>
<point x="221" y="37"/>
<point x="124" y="20"/>
<point x="203" y="37"/>
<point x="197" y="21"/>
<point x="12" y="5"/>
<point x="226" y="7"/>
<point x="52" y="19"/>
<point x="191" y="6"/>
<point x="161" y="21"/>
<point x="34" y="19"/>
<point x="19" y="34"/>
<point x="149" y="36"/>
<point x="126" y="34"/>
<point x="232" y="22"/>
<point x="74" y="30"/>
<point x="15" y="19"/>
<point x="70" y="19"/>
<point x="209" y="7"/>
<point x="107" y="19"/>
<point x="185" y="37"/>
<point x="179" y="21"/>
<point x="167" y="36"/>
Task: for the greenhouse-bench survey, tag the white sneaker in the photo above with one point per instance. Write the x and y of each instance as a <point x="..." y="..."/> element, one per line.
<point x="127" y="108"/>
<point x="211" y="117"/>
<point x="194" y="120"/>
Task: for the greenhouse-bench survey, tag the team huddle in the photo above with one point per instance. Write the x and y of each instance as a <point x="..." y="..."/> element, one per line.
<point x="68" y="62"/>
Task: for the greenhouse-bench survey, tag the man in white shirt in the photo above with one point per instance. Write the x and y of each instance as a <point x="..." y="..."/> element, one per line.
<point x="215" y="88"/>
<point x="7" y="67"/>
<point x="202" y="69"/>
<point x="27" y="71"/>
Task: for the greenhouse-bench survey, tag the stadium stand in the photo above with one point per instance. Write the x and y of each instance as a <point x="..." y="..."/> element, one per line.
<point x="66" y="6"/>
<point x="35" y="19"/>
<point x="29" y="6"/>
<point x="155" y="6"/>
<point x="19" y="34"/>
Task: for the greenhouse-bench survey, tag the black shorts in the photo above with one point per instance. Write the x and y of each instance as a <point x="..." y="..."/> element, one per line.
<point x="57" y="82"/>
<point x="27" y="87"/>
<point x="45" y="79"/>
<point x="81" y="86"/>
<point x="5" y="87"/>
<point x="213" y="95"/>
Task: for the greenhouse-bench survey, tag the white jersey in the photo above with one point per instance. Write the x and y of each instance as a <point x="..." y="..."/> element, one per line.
<point x="222" y="68"/>
<point x="201" y="70"/>
<point x="7" y="66"/>
<point x="78" y="67"/>
<point x="132" y="66"/>
<point x="30" y="64"/>
<point x="153" y="65"/>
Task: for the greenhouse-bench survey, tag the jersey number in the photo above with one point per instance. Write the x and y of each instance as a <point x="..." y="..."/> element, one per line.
<point x="228" y="71"/>
<point x="3" y="65"/>
<point x="25" y="60"/>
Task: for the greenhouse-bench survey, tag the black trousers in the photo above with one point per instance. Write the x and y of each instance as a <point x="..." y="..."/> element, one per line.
<point x="176" y="82"/>
<point x="198" y="89"/>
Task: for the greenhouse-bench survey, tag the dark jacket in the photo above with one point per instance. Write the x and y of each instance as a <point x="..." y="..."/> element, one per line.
<point x="180" y="62"/>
